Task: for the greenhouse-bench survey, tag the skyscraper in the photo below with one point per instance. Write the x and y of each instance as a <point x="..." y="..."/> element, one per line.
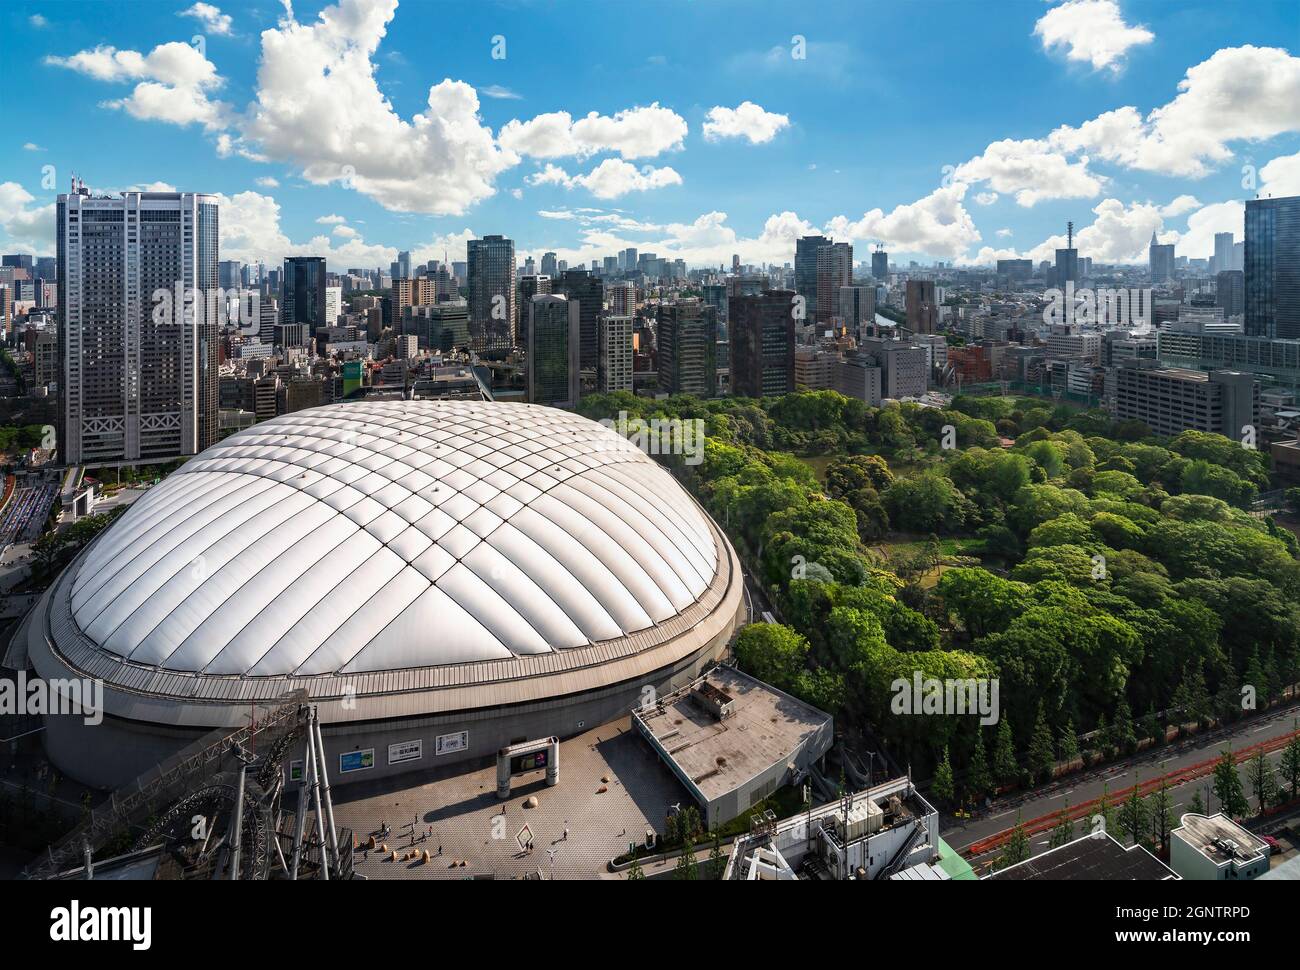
<point x="491" y="269"/>
<point x="614" y="372"/>
<point x="857" y="306"/>
<point x="549" y="264"/>
<point x="1272" y="270"/>
<point x="834" y="269"/>
<point x="805" y="271"/>
<point x="761" y="339"/>
<point x="687" y="344"/>
<point x="1222" y="252"/>
<point x="922" y="306"/>
<point x="137" y="352"/>
<point x="585" y="288"/>
<point x="1160" y="259"/>
<point x="404" y="265"/>
<point x="553" y="342"/>
<point x="529" y="287"/>
<point x="880" y="265"/>
<point x="1230" y="292"/>
<point x="1067" y="261"/>
<point x="302" y="289"/>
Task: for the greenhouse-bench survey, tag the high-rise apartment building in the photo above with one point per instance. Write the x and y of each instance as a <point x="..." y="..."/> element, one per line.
<point x="880" y="265"/>
<point x="761" y="333"/>
<point x="834" y="270"/>
<point x="686" y="338"/>
<point x="529" y="287"/>
<point x="856" y="306"/>
<point x="615" y="370"/>
<point x="1160" y="260"/>
<point x="554" y="338"/>
<point x="922" y="306"/>
<point x="491" y="269"/>
<point x="137" y="373"/>
<point x="1272" y="270"/>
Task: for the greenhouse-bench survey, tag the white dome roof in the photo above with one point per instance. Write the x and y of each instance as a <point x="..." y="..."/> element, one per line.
<point x="382" y="535"/>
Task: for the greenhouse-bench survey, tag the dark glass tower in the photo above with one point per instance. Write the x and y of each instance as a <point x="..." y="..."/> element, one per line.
<point x="1272" y="267"/>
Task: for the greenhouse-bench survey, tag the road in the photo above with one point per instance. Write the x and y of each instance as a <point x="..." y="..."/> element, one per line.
<point x="1083" y="787"/>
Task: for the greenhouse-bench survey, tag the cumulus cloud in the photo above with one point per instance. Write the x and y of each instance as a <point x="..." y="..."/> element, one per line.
<point x="211" y="17"/>
<point x="746" y="120"/>
<point x="1237" y="94"/>
<point x="251" y="232"/>
<point x="937" y="225"/>
<point x="175" y="82"/>
<point x="499" y="92"/>
<point x="267" y="182"/>
<point x="1184" y="203"/>
<point x="610" y="179"/>
<point x="1281" y="176"/>
<point x="1031" y="171"/>
<point x="640" y="132"/>
<point x="27" y="228"/>
<point x="1090" y="31"/>
<point x="1204" y="223"/>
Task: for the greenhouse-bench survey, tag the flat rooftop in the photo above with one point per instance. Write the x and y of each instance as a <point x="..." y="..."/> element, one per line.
<point x="766" y="727"/>
<point x="1092" y="858"/>
<point x="1210" y="835"/>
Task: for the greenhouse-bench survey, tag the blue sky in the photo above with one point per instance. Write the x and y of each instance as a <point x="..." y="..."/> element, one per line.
<point x="953" y="130"/>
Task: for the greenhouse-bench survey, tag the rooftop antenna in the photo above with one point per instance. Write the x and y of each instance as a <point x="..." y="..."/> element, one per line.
<point x="1069" y="235"/>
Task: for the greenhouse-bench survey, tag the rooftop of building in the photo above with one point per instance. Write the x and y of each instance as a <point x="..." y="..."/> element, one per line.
<point x="764" y="727"/>
<point x="1219" y="838"/>
<point x="1090" y="857"/>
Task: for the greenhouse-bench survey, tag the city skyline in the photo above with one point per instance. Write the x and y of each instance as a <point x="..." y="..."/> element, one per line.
<point x="1130" y="119"/>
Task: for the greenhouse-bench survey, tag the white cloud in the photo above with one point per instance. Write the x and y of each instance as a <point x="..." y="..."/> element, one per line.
<point x="1091" y="31"/>
<point x="347" y="232"/>
<point x="640" y="132"/>
<point x="31" y="146"/>
<point x="27" y="228"/>
<point x="174" y="82"/>
<point x="440" y="161"/>
<point x="1031" y="171"/>
<point x="1184" y="203"/>
<point x="746" y="120"/>
<point x="251" y="231"/>
<point x="267" y="182"/>
<point x="211" y="17"/>
<point x="610" y="179"/>
<point x="986" y="198"/>
<point x="937" y="225"/>
<point x="1281" y="176"/>
<point x="333" y="219"/>
<point x="1004" y="233"/>
<point x="1198" y="241"/>
<point x="1237" y="94"/>
<point x="37" y="21"/>
<point x="499" y="92"/>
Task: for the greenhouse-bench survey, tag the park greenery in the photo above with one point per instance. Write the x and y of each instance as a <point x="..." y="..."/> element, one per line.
<point x="1113" y="581"/>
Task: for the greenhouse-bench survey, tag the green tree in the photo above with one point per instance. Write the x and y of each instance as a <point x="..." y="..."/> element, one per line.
<point x="1262" y="783"/>
<point x="1017" y="847"/>
<point x="1068" y="744"/>
<point x="1228" y="789"/>
<point x="772" y="652"/>
<point x="1041" y="753"/>
<point x="1005" y="766"/>
<point x="1122" y="731"/>
<point x="1290" y="764"/>
<point x="1151" y="726"/>
<point x="979" y="780"/>
<point x="1063" y="830"/>
<point x="717" y="861"/>
<point x="687" y="868"/>
<point x="1105" y="811"/>
<point x="635" y="871"/>
<point x="1133" y="816"/>
<point x="1160" y="811"/>
<point x="942" y="787"/>
<point x="1197" y="805"/>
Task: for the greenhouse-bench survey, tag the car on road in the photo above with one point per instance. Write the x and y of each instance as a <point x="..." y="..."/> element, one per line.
<point x="1271" y="842"/>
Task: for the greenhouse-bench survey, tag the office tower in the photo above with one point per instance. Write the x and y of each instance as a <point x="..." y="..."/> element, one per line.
<point x="834" y="269"/>
<point x="610" y="266"/>
<point x="687" y="343"/>
<point x="269" y="319"/>
<point x="1222" y="252"/>
<point x="1230" y="292"/>
<point x="1239" y="256"/>
<point x="302" y="296"/>
<point x="1015" y="269"/>
<point x="403" y="265"/>
<point x="629" y="259"/>
<point x="805" y="272"/>
<point x="1160" y="260"/>
<point x="530" y="267"/>
<point x="1170" y="401"/>
<point x="614" y="372"/>
<point x="554" y="338"/>
<point x="561" y="265"/>
<point x="439" y="327"/>
<point x="1067" y="261"/>
<point x="230" y="274"/>
<point x="19" y="261"/>
<point x="548" y="264"/>
<point x="880" y="265"/>
<point x="735" y="263"/>
<point x="420" y="291"/>
<point x="857" y="306"/>
<point x="586" y="290"/>
<point x="529" y="287"/>
<point x="761" y="334"/>
<point x="922" y="306"/>
<point x="47" y="268"/>
<point x="1272" y="270"/>
<point x="138" y="374"/>
<point x="622" y="299"/>
<point x="491" y="269"/>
